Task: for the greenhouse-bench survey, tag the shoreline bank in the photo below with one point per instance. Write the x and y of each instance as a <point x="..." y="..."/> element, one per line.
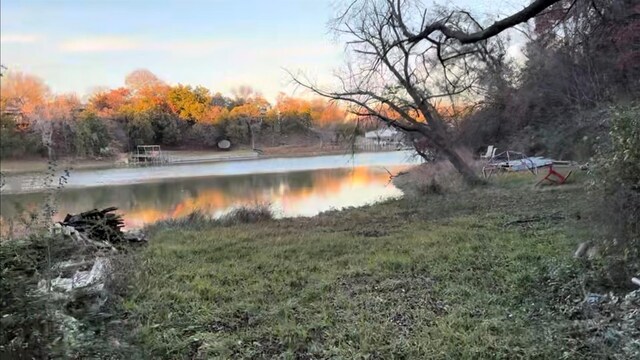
<point x="15" y="167"/>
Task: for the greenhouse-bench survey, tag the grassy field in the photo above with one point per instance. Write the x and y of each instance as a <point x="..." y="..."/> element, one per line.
<point x="445" y="276"/>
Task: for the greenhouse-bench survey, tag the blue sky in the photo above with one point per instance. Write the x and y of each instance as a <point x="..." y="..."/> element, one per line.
<point x="77" y="45"/>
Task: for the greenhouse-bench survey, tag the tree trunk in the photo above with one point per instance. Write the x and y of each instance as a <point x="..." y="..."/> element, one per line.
<point x="253" y="144"/>
<point x="463" y="168"/>
<point x="438" y="137"/>
<point x="443" y="144"/>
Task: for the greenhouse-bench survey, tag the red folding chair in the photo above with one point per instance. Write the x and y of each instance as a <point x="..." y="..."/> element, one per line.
<point x="555" y="177"/>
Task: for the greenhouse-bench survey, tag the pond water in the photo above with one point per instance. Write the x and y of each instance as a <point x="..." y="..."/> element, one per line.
<point x="292" y="186"/>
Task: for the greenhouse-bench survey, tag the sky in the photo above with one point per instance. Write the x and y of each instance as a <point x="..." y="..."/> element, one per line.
<point x="78" y="46"/>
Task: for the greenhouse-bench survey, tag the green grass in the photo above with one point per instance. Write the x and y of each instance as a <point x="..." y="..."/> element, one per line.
<point x="438" y="277"/>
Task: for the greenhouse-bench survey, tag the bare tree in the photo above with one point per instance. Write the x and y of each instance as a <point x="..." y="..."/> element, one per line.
<point x="140" y="79"/>
<point x="405" y="61"/>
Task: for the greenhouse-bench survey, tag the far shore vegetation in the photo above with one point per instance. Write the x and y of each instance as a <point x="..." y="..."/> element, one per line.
<point x="38" y="124"/>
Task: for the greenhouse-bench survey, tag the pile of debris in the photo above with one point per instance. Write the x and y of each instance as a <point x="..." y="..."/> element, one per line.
<point x="93" y="232"/>
<point x="98" y="226"/>
<point x="96" y="237"/>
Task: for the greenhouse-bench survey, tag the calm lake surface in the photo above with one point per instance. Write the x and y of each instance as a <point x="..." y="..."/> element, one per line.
<point x="292" y="186"/>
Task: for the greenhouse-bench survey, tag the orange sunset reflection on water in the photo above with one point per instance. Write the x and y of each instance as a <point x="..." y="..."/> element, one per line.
<point x="303" y="193"/>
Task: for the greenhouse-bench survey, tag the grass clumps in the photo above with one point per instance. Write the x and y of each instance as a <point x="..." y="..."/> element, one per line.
<point x="198" y="220"/>
<point x="247" y="215"/>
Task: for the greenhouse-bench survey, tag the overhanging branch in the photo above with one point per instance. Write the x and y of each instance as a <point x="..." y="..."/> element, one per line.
<point x="535" y="8"/>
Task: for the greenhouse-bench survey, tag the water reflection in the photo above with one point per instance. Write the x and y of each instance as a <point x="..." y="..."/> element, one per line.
<point x="302" y="193"/>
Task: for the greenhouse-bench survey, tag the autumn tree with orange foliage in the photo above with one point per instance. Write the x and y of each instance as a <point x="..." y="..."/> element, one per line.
<point x="108" y="104"/>
<point x="27" y="93"/>
<point x="191" y="104"/>
<point x="326" y="113"/>
<point x="245" y="120"/>
<point x="148" y="92"/>
<point x="215" y="115"/>
<point x="300" y="114"/>
<point x="62" y="107"/>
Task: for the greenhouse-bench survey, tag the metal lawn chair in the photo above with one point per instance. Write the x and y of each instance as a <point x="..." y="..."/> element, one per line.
<point x="491" y="152"/>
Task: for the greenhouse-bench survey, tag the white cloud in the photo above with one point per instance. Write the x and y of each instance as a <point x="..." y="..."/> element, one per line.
<point x="263" y="50"/>
<point x="197" y="47"/>
<point x="18" y="38"/>
<point x="99" y="44"/>
<point x="124" y="43"/>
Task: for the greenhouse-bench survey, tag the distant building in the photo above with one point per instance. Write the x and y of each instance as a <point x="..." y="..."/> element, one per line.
<point x="22" y="123"/>
<point x="382" y="140"/>
<point x="388" y="135"/>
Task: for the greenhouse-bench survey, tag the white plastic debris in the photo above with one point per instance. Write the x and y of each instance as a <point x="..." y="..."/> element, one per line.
<point x="81" y="279"/>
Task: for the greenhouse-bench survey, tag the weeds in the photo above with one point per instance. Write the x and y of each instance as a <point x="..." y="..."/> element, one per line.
<point x="28" y="322"/>
<point x="198" y="220"/>
<point x="248" y="215"/>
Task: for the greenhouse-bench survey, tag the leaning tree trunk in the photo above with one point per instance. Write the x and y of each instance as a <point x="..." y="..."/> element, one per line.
<point x="469" y="176"/>
<point x="445" y="146"/>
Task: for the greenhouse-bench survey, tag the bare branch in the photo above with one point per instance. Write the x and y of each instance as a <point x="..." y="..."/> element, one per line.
<point x="535" y="8"/>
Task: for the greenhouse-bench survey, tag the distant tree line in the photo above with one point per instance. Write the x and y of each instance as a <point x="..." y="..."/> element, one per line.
<point x="147" y="111"/>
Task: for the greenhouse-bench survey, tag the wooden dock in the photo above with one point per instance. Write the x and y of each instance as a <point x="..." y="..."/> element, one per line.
<point x="148" y="155"/>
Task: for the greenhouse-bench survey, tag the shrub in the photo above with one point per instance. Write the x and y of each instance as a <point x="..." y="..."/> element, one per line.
<point x="291" y="123"/>
<point x="237" y="131"/>
<point x="165" y="128"/>
<point x="28" y="321"/>
<point x="15" y="143"/>
<point x="618" y="179"/>
<point x="91" y="136"/>
<point x="140" y="130"/>
<point x="624" y="153"/>
<point x="247" y="215"/>
<point x="202" y="135"/>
